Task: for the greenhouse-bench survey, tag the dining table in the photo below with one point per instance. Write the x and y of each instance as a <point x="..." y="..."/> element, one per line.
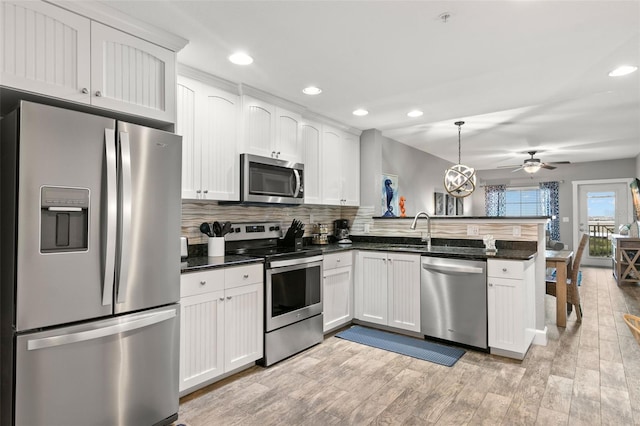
<point x="561" y="260"/>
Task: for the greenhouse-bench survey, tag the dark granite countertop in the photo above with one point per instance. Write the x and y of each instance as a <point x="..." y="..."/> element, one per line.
<point x="472" y="253"/>
<point x="459" y="249"/>
<point x="199" y="263"/>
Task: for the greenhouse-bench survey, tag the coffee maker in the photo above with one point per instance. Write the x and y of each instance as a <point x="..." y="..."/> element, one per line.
<point x="341" y="231"/>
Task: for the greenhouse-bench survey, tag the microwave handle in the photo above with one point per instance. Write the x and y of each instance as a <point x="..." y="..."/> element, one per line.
<point x="296" y="173"/>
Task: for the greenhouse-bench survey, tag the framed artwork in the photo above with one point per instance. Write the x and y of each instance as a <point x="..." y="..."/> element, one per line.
<point x="459" y="206"/>
<point x="451" y="205"/>
<point x="635" y="196"/>
<point x="389" y="195"/>
<point x="439" y="204"/>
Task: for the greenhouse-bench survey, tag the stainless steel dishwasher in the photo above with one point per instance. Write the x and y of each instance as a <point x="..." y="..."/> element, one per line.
<point x="453" y="300"/>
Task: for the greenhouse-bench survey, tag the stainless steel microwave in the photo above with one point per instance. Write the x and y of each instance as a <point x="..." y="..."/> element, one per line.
<point x="270" y="180"/>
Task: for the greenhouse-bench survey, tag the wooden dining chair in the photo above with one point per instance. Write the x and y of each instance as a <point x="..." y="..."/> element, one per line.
<point x="573" y="293"/>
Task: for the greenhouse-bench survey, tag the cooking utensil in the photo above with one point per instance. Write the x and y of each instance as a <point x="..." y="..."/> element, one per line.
<point x="226" y="228"/>
<point x="217" y="229"/>
<point x="205" y="228"/>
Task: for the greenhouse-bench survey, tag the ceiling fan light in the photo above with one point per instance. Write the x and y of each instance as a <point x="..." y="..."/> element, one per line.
<point x="531" y="167"/>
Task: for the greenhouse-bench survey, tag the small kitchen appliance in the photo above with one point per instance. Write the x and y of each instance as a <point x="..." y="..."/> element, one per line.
<point x="341" y="231"/>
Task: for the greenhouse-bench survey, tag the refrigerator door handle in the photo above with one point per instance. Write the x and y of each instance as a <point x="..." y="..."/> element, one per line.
<point x="141" y="321"/>
<point x="112" y="217"/>
<point x="125" y="206"/>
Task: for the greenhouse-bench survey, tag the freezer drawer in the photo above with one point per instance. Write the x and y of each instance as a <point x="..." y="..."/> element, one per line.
<point x="120" y="371"/>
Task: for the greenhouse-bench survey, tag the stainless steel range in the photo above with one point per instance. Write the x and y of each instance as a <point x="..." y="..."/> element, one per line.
<point x="293" y="288"/>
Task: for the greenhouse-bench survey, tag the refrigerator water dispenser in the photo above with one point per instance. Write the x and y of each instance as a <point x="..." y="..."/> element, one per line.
<point x="64" y="219"/>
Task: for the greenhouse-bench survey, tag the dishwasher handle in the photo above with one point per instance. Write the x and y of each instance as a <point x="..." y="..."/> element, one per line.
<point x="452" y="268"/>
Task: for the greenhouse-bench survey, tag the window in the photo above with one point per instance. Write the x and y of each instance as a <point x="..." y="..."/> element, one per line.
<point x="523" y="202"/>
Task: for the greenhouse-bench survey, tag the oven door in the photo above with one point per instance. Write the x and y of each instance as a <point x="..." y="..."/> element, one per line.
<point x="293" y="290"/>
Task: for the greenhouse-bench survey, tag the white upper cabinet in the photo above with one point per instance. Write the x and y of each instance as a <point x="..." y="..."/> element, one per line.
<point x="310" y="134"/>
<point x="207" y="119"/>
<point x="54" y="52"/>
<point x="271" y="131"/>
<point x="131" y="75"/>
<point x="45" y="50"/>
<point x="287" y="143"/>
<point x="340" y="168"/>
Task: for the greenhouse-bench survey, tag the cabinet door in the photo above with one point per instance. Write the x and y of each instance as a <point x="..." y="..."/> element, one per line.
<point x="259" y="129"/>
<point x="505" y="312"/>
<point x="310" y="140"/>
<point x="45" y="49"/>
<point x="337" y="297"/>
<point x="131" y="75"/>
<point x="332" y="153"/>
<point x="287" y="145"/>
<point x="201" y="338"/>
<point x="218" y="128"/>
<point x="191" y="149"/>
<point x="404" y="291"/>
<point x="350" y="170"/>
<point x="243" y="325"/>
<point x="371" y="290"/>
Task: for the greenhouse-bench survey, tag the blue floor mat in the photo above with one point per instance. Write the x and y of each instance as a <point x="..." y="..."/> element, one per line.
<point x="404" y="345"/>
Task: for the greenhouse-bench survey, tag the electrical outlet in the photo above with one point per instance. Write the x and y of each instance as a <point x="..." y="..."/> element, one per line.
<point x="473" y="230"/>
<point x="367" y="228"/>
<point x="517" y="230"/>
<point x="565" y="219"/>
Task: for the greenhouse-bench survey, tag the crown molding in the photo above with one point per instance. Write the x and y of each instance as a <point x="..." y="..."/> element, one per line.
<point x="114" y="18"/>
<point x="212" y="80"/>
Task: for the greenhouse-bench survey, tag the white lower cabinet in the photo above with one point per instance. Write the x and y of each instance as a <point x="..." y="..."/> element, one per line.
<point x="221" y="327"/>
<point x="337" y="290"/>
<point x="388" y="289"/>
<point x="510" y="306"/>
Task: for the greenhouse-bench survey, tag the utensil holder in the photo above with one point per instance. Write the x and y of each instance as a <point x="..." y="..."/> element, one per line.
<point x="216" y="246"/>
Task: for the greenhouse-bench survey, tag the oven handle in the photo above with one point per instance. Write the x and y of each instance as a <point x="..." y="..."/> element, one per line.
<point x="295" y="262"/>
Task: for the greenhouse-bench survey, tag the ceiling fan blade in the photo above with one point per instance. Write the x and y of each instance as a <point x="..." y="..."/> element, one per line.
<point x="518" y="169"/>
<point x="559" y="162"/>
<point x="509" y="167"/>
<point x="548" y="167"/>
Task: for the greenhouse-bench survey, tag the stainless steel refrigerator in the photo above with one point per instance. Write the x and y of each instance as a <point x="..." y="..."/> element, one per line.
<point x="90" y="226"/>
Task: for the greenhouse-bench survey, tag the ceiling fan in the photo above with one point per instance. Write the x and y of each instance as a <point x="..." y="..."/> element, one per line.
<point x="532" y="165"/>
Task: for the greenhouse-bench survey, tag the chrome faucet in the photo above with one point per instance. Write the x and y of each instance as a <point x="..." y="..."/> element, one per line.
<point x="428" y="237"/>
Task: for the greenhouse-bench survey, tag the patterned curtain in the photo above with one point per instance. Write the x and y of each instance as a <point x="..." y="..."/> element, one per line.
<point x="495" y="200"/>
<point x="551" y="207"/>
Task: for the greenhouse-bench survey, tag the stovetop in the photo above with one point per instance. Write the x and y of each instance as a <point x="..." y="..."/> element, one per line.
<point x="263" y="239"/>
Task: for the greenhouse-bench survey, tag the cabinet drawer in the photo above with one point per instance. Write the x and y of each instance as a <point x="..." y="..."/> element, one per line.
<point x="201" y="282"/>
<point x="337" y="260"/>
<point x="505" y="268"/>
<point x="242" y="275"/>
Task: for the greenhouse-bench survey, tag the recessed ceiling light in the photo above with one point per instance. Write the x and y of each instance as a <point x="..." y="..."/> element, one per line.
<point x="312" y="90"/>
<point x="241" y="58"/>
<point x="415" y="113"/>
<point x="622" y="70"/>
<point x="360" y="112"/>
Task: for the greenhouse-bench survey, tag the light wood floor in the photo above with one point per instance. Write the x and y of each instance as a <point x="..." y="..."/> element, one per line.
<point x="588" y="374"/>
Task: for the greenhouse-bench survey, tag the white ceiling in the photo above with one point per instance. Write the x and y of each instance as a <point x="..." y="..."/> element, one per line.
<point x="523" y="75"/>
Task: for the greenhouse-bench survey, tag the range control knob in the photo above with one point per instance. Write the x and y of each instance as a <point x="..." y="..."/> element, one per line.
<point x="273" y="228"/>
<point x="238" y="229"/>
<point x="277" y="228"/>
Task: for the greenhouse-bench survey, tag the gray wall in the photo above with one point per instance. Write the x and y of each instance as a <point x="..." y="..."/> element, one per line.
<point x="613" y="169"/>
<point x="419" y="174"/>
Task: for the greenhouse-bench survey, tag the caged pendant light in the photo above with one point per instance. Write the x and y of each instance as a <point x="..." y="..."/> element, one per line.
<point x="460" y="180"/>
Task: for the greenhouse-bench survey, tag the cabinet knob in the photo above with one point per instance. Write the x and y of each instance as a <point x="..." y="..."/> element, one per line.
<point x="338" y="260"/>
<point x="206" y="191"/>
<point x="245" y="276"/>
<point x="221" y="299"/>
<point x="203" y="282"/>
<point x="278" y="154"/>
<point x="490" y="285"/>
<point x="98" y="93"/>
<point x="198" y="191"/>
<point x="228" y="297"/>
<point x="85" y="90"/>
<point x="273" y="153"/>
<point x="504" y="269"/>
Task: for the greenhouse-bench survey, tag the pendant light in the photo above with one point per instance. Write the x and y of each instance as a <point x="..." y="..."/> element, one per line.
<point x="460" y="180"/>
